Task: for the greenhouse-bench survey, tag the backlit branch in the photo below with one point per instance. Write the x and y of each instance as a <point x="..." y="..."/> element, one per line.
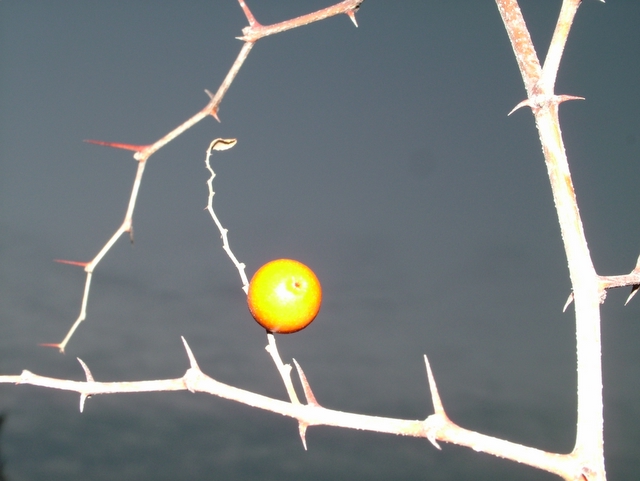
<point x="223" y="144"/>
<point x="252" y="33"/>
<point x="436" y="427"/>
<point x="539" y="83"/>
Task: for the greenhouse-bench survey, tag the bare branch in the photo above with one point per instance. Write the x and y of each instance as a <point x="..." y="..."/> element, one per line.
<point x="586" y="285"/>
<point x="283" y="369"/>
<point x="521" y="42"/>
<point x="558" y="41"/>
<point x="436" y="427"/>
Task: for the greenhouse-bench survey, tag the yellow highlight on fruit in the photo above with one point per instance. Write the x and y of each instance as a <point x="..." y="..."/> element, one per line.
<point x="284" y="296"/>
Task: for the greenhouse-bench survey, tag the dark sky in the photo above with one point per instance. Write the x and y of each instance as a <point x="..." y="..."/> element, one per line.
<point x="383" y="158"/>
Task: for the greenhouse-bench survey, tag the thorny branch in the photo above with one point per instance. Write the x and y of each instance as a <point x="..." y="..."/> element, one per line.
<point x="587" y="286"/>
<point x="254" y="32"/>
<point x="586" y="461"/>
<point x="436" y="427"/>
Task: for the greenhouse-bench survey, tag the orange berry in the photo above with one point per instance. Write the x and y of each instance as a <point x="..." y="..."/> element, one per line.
<point x="284" y="296"/>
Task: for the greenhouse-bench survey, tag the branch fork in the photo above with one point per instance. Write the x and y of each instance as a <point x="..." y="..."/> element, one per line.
<point x="255" y="31"/>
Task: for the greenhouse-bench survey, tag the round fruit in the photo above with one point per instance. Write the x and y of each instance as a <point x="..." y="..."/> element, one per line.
<point x="284" y="296"/>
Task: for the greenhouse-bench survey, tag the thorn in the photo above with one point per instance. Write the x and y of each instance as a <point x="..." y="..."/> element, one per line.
<point x="568" y="303"/>
<point x="432" y="439"/>
<point x="83" y="398"/>
<point x="116" y="145"/>
<point x="308" y="393"/>
<point x="71" y="263"/>
<point x="634" y="289"/>
<point x="563" y="98"/>
<point x="436" y="401"/>
<point x="214" y="111"/>
<point x="192" y="359"/>
<point x="247" y="13"/>
<point x="51" y="344"/>
<point x="302" y="429"/>
<point x="86" y="370"/>
<point x="524" y="103"/>
<point x="352" y="16"/>
<point x="540" y="100"/>
<point x="435" y="397"/>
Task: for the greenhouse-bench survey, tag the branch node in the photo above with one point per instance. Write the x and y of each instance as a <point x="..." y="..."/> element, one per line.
<point x="25" y="377"/>
<point x="540" y="100"/>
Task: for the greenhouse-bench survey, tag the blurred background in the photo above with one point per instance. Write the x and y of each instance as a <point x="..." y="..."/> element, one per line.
<point x="382" y="157"/>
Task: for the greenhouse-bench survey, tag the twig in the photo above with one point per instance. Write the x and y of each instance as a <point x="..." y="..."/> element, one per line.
<point x="283" y="369"/>
<point x="255" y="31"/>
<point x="223" y="144"/>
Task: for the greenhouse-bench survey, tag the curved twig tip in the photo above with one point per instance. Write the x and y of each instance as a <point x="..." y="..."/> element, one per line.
<point x="222" y="144"/>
